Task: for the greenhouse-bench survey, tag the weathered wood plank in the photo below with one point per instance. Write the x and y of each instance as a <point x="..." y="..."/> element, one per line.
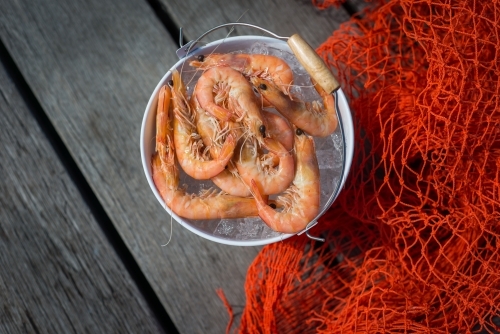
<point x="59" y="274"/>
<point x="92" y="66"/>
<point x="281" y="17"/>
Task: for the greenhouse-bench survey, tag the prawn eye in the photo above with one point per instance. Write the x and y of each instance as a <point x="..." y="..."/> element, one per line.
<point x="262" y="130"/>
<point x="263" y="86"/>
<point x="299" y="132"/>
<point x="201" y="58"/>
<point x="272" y="205"/>
<point x="171" y="83"/>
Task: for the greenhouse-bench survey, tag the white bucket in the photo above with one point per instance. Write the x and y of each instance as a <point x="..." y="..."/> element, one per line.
<point x="253" y="231"/>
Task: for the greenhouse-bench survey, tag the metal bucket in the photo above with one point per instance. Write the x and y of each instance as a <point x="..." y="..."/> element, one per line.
<point x="335" y="158"/>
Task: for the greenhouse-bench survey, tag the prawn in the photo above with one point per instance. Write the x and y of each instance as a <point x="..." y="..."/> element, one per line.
<point x="260" y="168"/>
<point x="311" y="117"/>
<point x="191" y="154"/>
<point x="212" y="133"/>
<point x="210" y="204"/>
<point x="301" y="200"/>
<point x="240" y="102"/>
<point x="267" y="67"/>
<point x="164" y="142"/>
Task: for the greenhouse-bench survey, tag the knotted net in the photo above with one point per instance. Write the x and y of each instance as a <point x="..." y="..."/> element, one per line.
<point x="413" y="240"/>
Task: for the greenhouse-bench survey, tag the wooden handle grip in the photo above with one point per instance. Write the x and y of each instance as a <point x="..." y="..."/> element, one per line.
<point x="313" y="64"/>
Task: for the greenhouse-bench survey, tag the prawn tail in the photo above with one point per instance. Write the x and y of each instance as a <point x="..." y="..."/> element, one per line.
<point x="256" y="193"/>
<point x="331" y="119"/>
<point x="227" y="149"/>
<point x="266" y="212"/>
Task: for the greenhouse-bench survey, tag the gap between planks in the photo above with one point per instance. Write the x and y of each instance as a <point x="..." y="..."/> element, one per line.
<point x="86" y="192"/>
<point x="351" y="7"/>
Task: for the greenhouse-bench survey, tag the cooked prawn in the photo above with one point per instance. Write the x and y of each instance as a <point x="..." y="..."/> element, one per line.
<point x="242" y="104"/>
<point x="267" y="67"/>
<point x="312" y="117"/>
<point x="213" y="132"/>
<point x="164" y="142"/>
<point x="260" y="167"/>
<point x="301" y="200"/>
<point x="191" y="153"/>
<point x="210" y="204"/>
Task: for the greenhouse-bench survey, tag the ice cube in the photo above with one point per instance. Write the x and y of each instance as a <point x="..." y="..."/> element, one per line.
<point x="268" y="233"/>
<point x="323" y="143"/>
<point x="275" y="52"/>
<point x="259" y="48"/>
<point x="225" y="227"/>
<point x="249" y="229"/>
<point x="338" y="141"/>
<point x="326" y="159"/>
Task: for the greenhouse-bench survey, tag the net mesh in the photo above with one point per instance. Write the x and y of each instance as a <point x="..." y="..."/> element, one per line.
<point x="413" y="240"/>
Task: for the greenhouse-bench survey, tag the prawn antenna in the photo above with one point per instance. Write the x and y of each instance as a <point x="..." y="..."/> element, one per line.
<point x="171" y="231"/>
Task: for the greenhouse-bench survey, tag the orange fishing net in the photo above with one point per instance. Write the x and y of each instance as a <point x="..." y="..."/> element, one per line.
<point x="413" y="240"/>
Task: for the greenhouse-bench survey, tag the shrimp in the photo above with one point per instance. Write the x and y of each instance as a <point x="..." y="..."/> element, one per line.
<point x="301" y="200"/>
<point x="191" y="154"/>
<point x="267" y="67"/>
<point x="210" y="204"/>
<point x="164" y="143"/>
<point x="212" y="133"/>
<point x="311" y="117"/>
<point x="242" y="104"/>
<point x="253" y="166"/>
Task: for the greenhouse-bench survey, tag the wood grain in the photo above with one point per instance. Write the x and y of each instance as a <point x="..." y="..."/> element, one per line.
<point x="59" y="273"/>
<point x="93" y="65"/>
<point x="283" y="17"/>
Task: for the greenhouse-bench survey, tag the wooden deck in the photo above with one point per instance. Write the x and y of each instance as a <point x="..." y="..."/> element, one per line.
<point x="80" y="230"/>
